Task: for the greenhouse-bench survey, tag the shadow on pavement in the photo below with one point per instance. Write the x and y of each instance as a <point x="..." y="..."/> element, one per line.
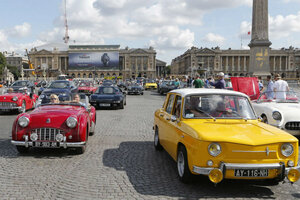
<point x="154" y="173"/>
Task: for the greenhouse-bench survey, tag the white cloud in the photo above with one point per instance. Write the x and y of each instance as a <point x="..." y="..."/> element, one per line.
<point x="214" y="38"/>
<point x="19" y="31"/>
<point x="245" y="28"/>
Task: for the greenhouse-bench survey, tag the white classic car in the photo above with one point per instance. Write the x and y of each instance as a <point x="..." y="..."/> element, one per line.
<point x="282" y="113"/>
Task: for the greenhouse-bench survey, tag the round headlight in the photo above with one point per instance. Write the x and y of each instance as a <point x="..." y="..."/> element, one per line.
<point x="214" y="149"/>
<point x="71" y="122"/>
<point x="33" y="136"/>
<point x="23" y="121"/>
<point x="15" y="98"/>
<point x="59" y="137"/>
<point x="276" y="115"/>
<point x="287" y="149"/>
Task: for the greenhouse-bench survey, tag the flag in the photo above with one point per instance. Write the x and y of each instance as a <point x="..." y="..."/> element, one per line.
<point x="249" y="32"/>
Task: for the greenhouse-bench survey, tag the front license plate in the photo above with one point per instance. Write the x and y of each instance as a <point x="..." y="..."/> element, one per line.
<point x="251" y="173"/>
<point x="46" y="144"/>
<point x="104" y="104"/>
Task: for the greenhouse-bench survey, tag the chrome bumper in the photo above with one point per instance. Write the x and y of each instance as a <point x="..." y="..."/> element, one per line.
<point x="63" y="144"/>
<point x="206" y="170"/>
<point x="11" y="108"/>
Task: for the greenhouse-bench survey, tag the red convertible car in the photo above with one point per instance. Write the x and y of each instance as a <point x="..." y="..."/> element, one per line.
<point x="87" y="88"/>
<point x="17" y="101"/>
<point x="66" y="124"/>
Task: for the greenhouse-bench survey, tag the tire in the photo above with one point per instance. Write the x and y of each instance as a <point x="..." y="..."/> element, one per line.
<point x="22" y="149"/>
<point x="182" y="165"/>
<point x="142" y="93"/>
<point x="157" y="144"/>
<point x="125" y="102"/>
<point x="121" y="105"/>
<point x="23" y="107"/>
<point x="81" y="150"/>
<point x="264" y="119"/>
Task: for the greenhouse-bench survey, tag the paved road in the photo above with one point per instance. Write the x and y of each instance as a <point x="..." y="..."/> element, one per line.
<point x="120" y="163"/>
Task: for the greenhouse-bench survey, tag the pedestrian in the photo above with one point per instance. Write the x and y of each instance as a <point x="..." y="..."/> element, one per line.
<point x="220" y="83"/>
<point x="177" y="82"/>
<point x="54" y="98"/>
<point x="269" y="92"/>
<point x="198" y="83"/>
<point x="280" y="88"/>
<point x="189" y="81"/>
<point x="207" y="85"/>
<point x="260" y="84"/>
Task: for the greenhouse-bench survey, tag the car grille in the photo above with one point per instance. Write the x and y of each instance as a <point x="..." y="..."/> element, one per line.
<point x="8" y="104"/>
<point x="292" y="126"/>
<point x="47" y="134"/>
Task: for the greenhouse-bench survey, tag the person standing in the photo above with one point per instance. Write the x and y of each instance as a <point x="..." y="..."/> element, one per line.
<point x="198" y="83"/>
<point x="269" y="91"/>
<point x="280" y="88"/>
<point x="220" y="84"/>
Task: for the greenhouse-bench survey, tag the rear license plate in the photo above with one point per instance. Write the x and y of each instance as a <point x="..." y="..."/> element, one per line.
<point x="104" y="104"/>
<point x="251" y="173"/>
<point x="46" y="144"/>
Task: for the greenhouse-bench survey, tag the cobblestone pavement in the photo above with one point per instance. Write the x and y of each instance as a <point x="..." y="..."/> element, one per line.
<point x="120" y="163"/>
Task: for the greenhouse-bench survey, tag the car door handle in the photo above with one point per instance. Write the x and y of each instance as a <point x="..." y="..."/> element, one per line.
<point x="161" y="115"/>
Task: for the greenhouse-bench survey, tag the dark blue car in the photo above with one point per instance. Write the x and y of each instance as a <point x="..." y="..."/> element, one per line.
<point x="58" y="87"/>
<point x="108" y="96"/>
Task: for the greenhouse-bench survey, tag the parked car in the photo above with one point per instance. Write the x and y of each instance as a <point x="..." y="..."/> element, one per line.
<point x="67" y="124"/>
<point x="42" y="88"/>
<point x="216" y="133"/>
<point x="123" y="85"/>
<point x="135" y="88"/>
<point x="281" y="113"/>
<point x="86" y="87"/>
<point x="108" y="96"/>
<point x="20" y="101"/>
<point x="42" y="83"/>
<point x="167" y="86"/>
<point x="17" y="85"/>
<point x="58" y="87"/>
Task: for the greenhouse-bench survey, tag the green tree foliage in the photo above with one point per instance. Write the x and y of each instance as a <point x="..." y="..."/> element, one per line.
<point x="15" y="71"/>
<point x="2" y="63"/>
<point x="168" y="69"/>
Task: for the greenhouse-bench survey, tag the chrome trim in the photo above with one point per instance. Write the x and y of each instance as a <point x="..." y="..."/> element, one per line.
<point x="67" y="144"/>
<point x="287" y="169"/>
<point x="26" y="141"/>
<point x="252" y="166"/>
<point x="202" y="170"/>
<point x="241" y="151"/>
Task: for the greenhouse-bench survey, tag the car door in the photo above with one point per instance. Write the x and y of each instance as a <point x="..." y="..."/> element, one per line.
<point x="164" y="117"/>
<point x="174" y="133"/>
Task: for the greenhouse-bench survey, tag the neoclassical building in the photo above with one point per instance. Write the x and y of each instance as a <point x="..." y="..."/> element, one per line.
<point x="53" y="59"/>
<point x="205" y="61"/>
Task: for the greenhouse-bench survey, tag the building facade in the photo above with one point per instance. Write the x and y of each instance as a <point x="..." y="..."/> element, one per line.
<point x="14" y="59"/>
<point x="53" y="59"/>
<point x="208" y="62"/>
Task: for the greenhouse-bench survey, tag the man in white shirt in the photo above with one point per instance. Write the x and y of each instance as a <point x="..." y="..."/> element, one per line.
<point x="280" y="88"/>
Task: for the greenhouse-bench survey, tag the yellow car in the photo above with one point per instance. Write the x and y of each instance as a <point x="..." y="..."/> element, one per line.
<point x="216" y="133"/>
<point x="150" y="85"/>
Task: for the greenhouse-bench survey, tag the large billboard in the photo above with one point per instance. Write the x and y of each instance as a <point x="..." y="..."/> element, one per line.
<point x="94" y="60"/>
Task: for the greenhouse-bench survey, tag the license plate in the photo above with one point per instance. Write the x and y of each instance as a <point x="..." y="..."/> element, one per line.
<point x="46" y="144"/>
<point x="251" y="173"/>
<point x="104" y="104"/>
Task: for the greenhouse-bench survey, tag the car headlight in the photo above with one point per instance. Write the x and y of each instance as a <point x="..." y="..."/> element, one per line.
<point x="23" y="121"/>
<point x="71" y="122"/>
<point x="15" y="98"/>
<point x="287" y="149"/>
<point x="214" y="149"/>
<point x="276" y="115"/>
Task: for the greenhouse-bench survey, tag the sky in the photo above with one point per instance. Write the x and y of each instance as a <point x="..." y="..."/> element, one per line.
<point x="170" y="26"/>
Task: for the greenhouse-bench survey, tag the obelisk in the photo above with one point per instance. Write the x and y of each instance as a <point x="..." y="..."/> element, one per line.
<point x="259" y="45"/>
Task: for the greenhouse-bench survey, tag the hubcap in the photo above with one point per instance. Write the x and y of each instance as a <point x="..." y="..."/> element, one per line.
<point x="180" y="164"/>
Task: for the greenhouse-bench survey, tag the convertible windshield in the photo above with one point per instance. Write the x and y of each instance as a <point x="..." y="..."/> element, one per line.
<point x="279" y="97"/>
<point x="20" y="83"/>
<point x="106" y="90"/>
<point x="218" y="106"/>
<point x="59" y="85"/>
<point x="85" y="84"/>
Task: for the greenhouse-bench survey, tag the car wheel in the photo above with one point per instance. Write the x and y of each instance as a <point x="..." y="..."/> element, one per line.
<point x="182" y="165"/>
<point x="142" y="93"/>
<point x="157" y="144"/>
<point x="22" y="149"/>
<point x="23" y="108"/>
<point x="122" y="105"/>
<point x="125" y="102"/>
<point x="264" y="119"/>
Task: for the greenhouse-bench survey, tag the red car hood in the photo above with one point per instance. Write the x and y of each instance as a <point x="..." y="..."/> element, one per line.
<point x="9" y="96"/>
<point x="246" y="85"/>
<point x="53" y="116"/>
<point x="86" y="88"/>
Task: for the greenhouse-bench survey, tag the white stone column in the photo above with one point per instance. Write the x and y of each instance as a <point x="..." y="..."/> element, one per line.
<point x="274" y="64"/>
<point x="226" y="67"/>
<point x="280" y="63"/>
<point x="245" y="63"/>
<point x="221" y="64"/>
<point x="232" y="66"/>
<point x="239" y="63"/>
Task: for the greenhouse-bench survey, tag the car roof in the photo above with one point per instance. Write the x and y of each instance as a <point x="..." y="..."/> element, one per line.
<point x="200" y="91"/>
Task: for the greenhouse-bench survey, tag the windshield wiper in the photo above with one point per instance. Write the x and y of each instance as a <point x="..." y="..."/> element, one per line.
<point x="197" y="109"/>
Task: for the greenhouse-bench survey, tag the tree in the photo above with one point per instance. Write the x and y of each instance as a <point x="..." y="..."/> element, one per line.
<point x="2" y="63"/>
<point x="168" y="69"/>
<point x="15" y="71"/>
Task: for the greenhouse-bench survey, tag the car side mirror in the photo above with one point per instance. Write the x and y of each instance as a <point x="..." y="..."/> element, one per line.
<point x="173" y="118"/>
<point x="259" y="119"/>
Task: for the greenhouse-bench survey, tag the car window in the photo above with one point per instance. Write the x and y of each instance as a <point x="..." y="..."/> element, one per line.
<point x="177" y="108"/>
<point x="59" y="85"/>
<point x="20" y="83"/>
<point x="170" y="104"/>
